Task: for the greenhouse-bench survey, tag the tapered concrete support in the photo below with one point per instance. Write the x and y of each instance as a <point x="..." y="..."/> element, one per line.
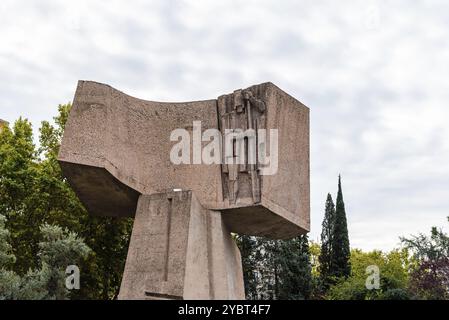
<point x="180" y="250"/>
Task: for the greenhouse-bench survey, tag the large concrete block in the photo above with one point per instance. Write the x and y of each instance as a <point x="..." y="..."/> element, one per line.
<point x="117" y="147"/>
<point x="180" y="250"/>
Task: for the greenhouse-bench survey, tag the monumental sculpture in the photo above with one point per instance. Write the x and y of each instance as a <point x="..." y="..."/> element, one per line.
<point x="118" y="155"/>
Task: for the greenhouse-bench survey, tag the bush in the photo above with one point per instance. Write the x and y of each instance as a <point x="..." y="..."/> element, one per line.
<point x="395" y="294"/>
<point x="59" y="249"/>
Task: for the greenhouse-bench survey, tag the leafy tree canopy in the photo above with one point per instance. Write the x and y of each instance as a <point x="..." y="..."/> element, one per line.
<point x="33" y="192"/>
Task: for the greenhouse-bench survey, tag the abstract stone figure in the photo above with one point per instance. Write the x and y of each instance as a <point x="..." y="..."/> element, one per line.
<point x="116" y="155"/>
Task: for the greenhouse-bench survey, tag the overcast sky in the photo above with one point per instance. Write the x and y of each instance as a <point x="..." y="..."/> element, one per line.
<point x="373" y="73"/>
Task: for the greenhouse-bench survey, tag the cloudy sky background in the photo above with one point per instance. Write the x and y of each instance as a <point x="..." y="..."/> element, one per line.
<point x="374" y="74"/>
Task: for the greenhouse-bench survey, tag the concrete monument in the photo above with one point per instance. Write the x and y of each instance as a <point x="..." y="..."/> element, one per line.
<point x="117" y="153"/>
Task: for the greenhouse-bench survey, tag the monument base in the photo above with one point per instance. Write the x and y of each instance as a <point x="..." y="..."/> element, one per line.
<point x="180" y="250"/>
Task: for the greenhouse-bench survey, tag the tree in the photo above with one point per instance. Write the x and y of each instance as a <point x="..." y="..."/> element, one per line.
<point x="340" y="251"/>
<point x="9" y="281"/>
<point x="18" y="175"/>
<point x="33" y="192"/>
<point x="327" y="231"/>
<point x="268" y="269"/>
<point x="276" y="269"/>
<point x="334" y="259"/>
<point x="59" y="249"/>
<point x="393" y="270"/>
<point x="315" y="253"/>
<point x="295" y="269"/>
<point x="250" y="256"/>
<point x="429" y="278"/>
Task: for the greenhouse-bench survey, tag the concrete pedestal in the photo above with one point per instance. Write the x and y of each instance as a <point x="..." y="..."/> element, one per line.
<point x="170" y="254"/>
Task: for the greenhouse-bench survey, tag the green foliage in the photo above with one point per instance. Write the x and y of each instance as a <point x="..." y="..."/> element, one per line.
<point x="18" y="173"/>
<point x="327" y="231"/>
<point x="109" y="238"/>
<point x="429" y="278"/>
<point x="334" y="259"/>
<point x="295" y="269"/>
<point x="352" y="288"/>
<point x="250" y="257"/>
<point x="393" y="266"/>
<point x="33" y="192"/>
<point x="315" y="253"/>
<point x="9" y="281"/>
<point x="268" y="269"/>
<point x="59" y="249"/>
<point x="429" y="248"/>
<point x="340" y="251"/>
<point x="396" y="294"/>
<point x="276" y="269"/>
<point x="6" y="257"/>
<point x="295" y="277"/>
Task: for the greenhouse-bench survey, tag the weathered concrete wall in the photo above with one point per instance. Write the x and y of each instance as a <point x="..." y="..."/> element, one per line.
<point x="287" y="193"/>
<point x="129" y="139"/>
<point x="180" y="250"/>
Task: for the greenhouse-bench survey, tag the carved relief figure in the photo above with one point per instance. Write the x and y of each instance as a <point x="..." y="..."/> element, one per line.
<point x="241" y="115"/>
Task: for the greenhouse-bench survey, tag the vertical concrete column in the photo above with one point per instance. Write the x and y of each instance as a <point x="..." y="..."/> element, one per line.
<point x="180" y="250"/>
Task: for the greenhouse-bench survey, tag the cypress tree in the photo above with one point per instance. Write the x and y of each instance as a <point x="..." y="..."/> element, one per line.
<point x="327" y="230"/>
<point x="340" y="251"/>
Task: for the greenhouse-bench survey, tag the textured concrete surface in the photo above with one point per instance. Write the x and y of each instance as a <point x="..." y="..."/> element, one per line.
<point x="116" y="155"/>
<point x="130" y="139"/>
<point x="180" y="250"/>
